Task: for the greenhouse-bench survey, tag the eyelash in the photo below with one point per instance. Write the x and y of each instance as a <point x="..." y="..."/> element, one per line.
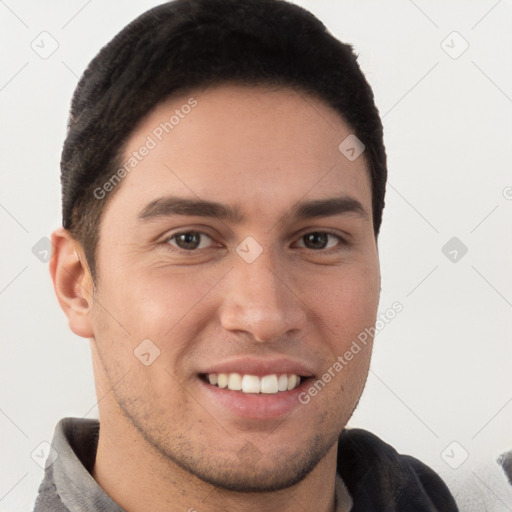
<point x="174" y="248"/>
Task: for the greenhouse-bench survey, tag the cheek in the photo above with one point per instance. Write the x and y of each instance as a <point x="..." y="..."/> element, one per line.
<point x="155" y="303"/>
<point x="347" y="302"/>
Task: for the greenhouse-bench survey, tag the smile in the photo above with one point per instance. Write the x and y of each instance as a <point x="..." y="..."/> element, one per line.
<point x="245" y="383"/>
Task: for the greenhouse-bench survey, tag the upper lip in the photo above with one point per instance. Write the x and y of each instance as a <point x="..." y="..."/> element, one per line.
<point x="260" y="367"/>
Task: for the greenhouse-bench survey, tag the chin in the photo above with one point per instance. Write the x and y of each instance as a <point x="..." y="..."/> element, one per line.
<point x="245" y="478"/>
<point x="251" y="471"/>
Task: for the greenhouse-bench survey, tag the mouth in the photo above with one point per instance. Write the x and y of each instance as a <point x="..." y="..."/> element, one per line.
<point x="252" y="388"/>
<point x="270" y="384"/>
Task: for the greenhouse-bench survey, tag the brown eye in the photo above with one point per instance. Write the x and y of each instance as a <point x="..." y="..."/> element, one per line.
<point x="315" y="240"/>
<point x="190" y="240"/>
<point x="319" y="240"/>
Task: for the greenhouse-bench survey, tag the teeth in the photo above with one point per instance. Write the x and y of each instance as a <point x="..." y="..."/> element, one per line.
<point x="222" y="380"/>
<point x="269" y="384"/>
<point x="235" y="381"/>
<point x="251" y="384"/>
<point x="293" y="381"/>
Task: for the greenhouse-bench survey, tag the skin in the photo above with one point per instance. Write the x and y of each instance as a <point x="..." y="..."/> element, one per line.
<point x="163" y="445"/>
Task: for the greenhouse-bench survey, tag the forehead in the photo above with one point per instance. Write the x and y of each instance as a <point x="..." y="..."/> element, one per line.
<point x="257" y="147"/>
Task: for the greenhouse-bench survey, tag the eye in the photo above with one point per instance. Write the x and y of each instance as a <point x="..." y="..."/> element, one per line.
<point x="319" y="240"/>
<point x="190" y="240"/>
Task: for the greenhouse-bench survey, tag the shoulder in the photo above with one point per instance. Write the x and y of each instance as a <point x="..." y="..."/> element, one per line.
<point x="376" y="474"/>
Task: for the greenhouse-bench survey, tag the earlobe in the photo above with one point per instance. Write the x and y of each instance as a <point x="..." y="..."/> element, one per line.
<point x="72" y="282"/>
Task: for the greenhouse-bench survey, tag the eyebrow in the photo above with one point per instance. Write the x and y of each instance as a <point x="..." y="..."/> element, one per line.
<point x="328" y="207"/>
<point x="174" y="205"/>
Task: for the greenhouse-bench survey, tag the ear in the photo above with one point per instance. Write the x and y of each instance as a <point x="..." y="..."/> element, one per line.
<point x="72" y="282"/>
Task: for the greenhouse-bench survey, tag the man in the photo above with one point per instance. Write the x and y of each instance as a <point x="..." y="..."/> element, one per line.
<point x="223" y="184"/>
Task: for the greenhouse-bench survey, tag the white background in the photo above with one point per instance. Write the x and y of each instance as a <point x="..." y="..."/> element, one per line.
<point x="441" y="370"/>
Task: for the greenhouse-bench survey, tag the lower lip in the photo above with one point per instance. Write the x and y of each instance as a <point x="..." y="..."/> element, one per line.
<point x="256" y="406"/>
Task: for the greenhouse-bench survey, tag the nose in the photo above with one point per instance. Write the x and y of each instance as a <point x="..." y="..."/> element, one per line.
<point x="262" y="302"/>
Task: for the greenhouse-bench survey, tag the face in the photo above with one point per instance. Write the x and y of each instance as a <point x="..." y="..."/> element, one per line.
<point x="238" y="252"/>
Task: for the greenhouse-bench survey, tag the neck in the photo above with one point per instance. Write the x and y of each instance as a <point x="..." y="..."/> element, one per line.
<point x="139" y="478"/>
